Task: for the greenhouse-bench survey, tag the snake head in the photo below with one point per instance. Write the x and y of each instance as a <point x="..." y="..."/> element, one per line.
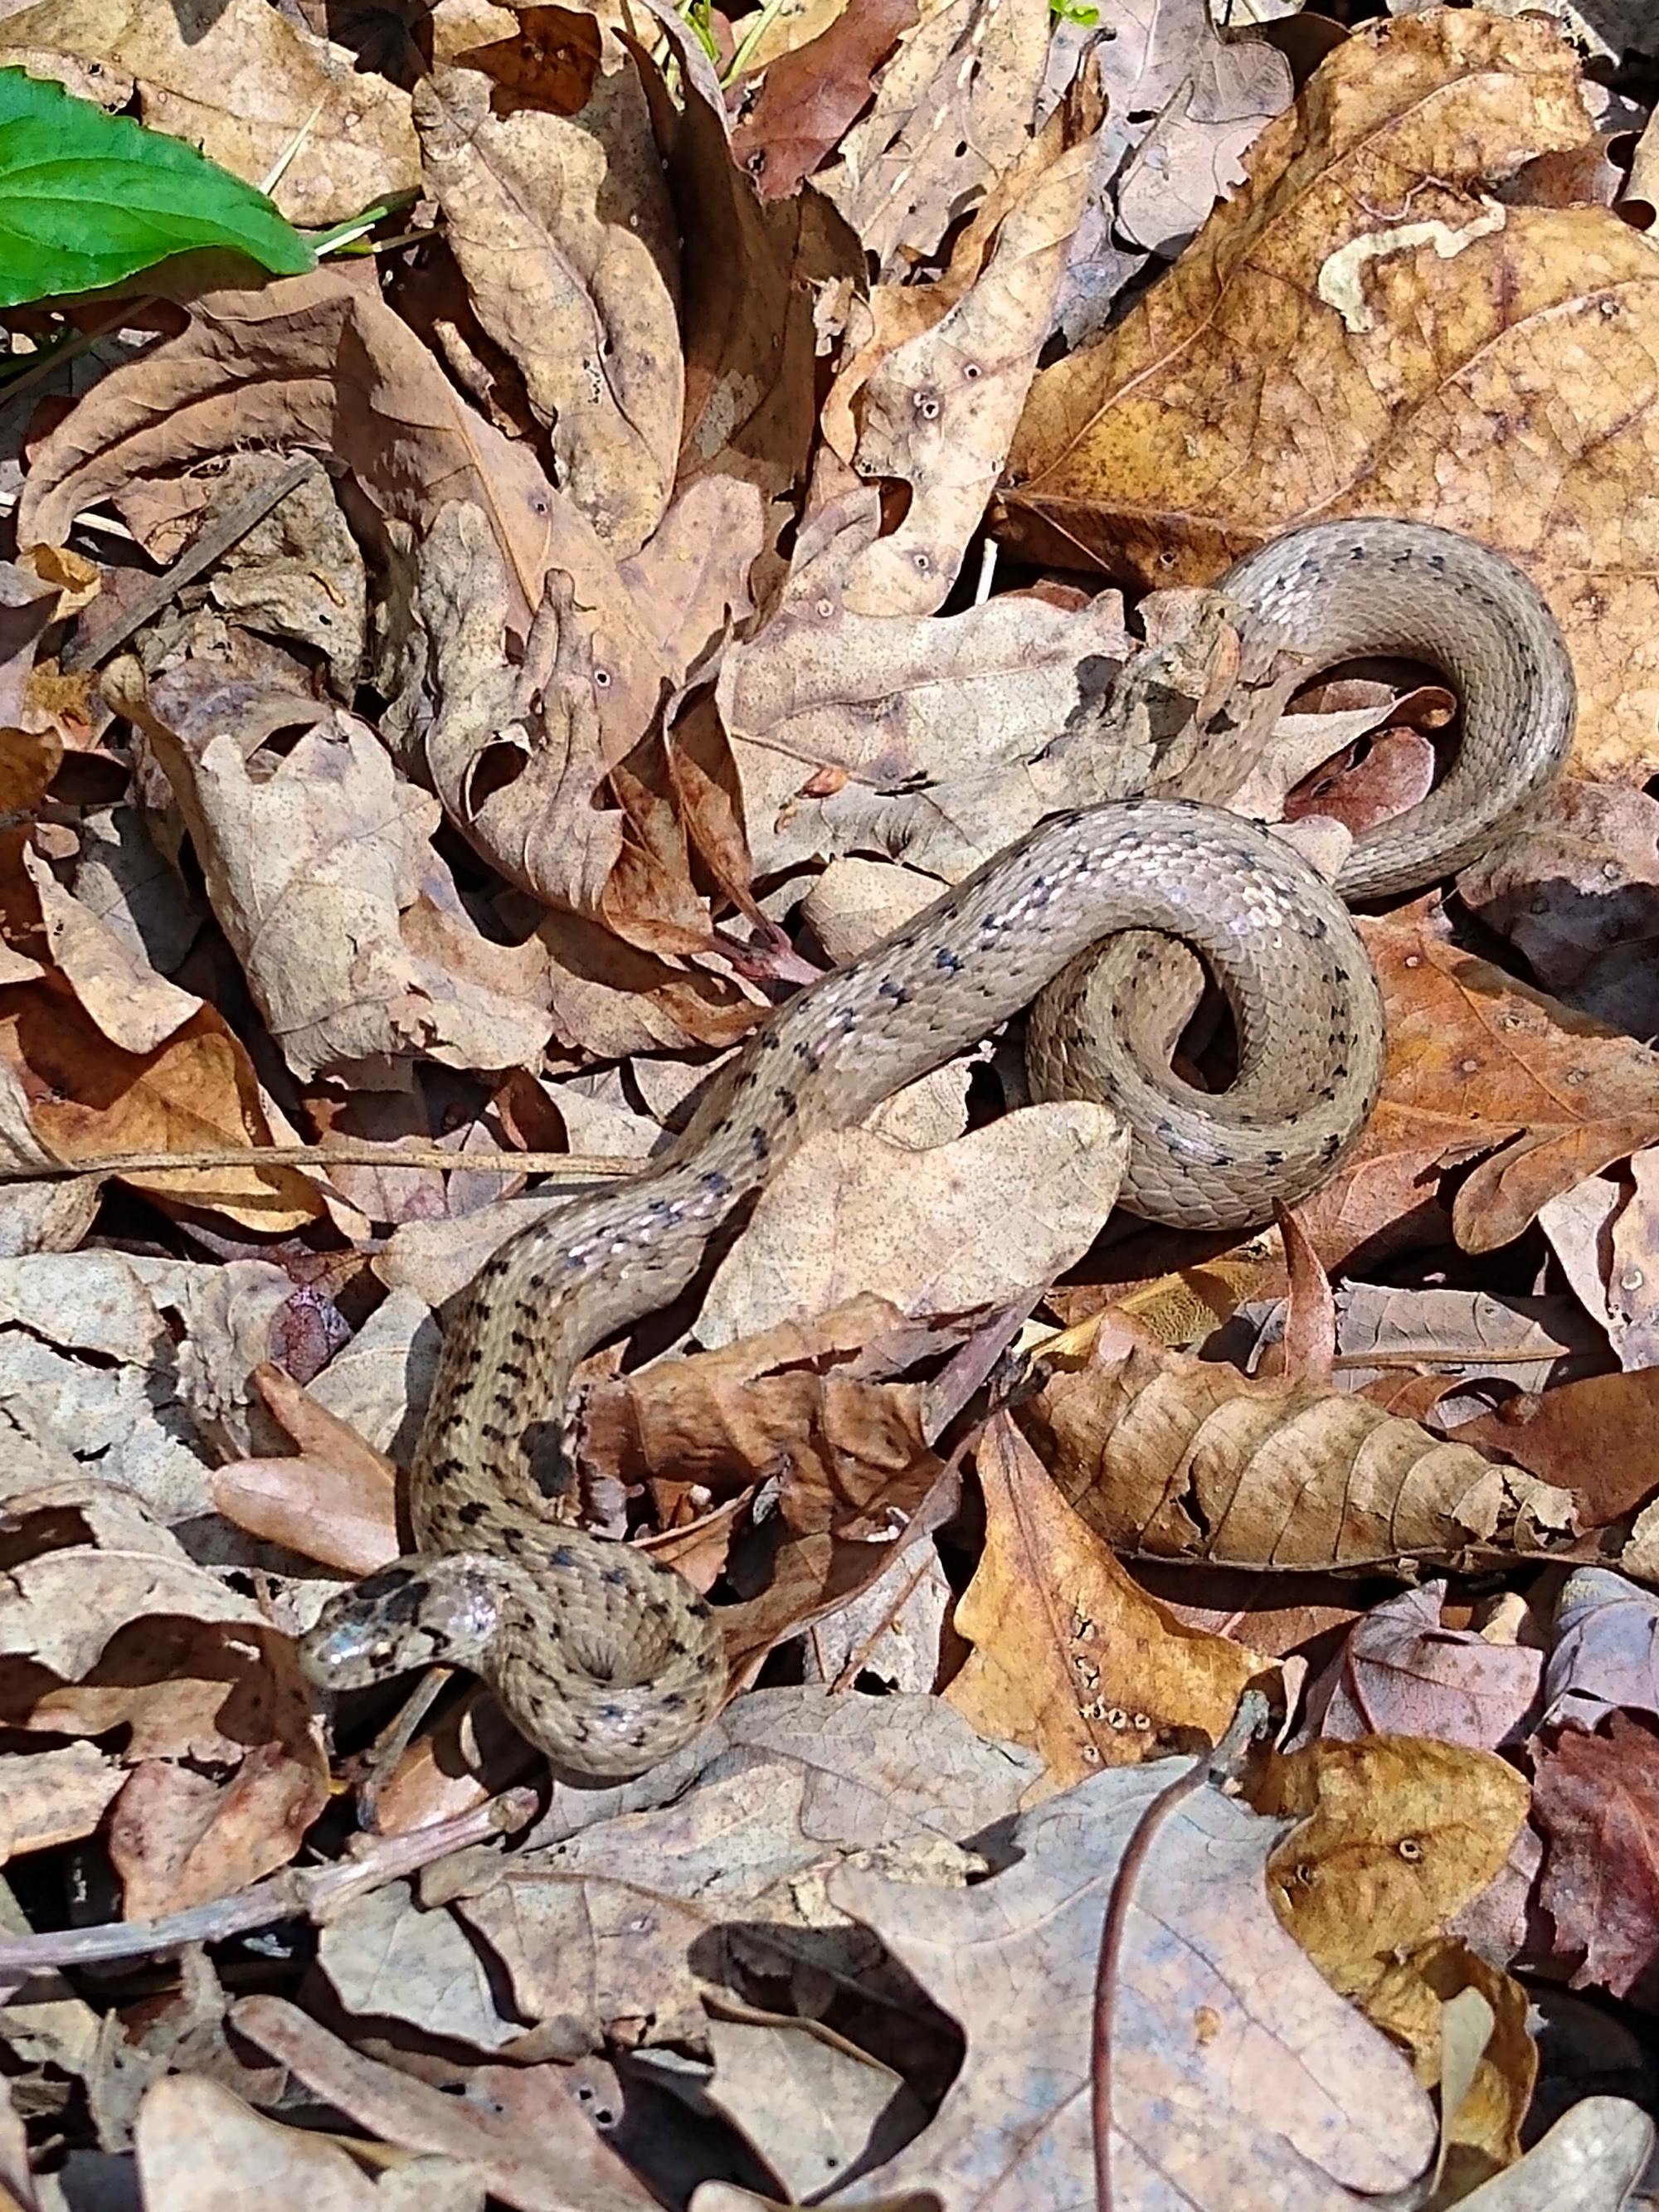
<point x="416" y="1613"/>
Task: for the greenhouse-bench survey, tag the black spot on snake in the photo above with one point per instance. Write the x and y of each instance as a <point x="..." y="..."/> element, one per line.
<point x="386" y="1583"/>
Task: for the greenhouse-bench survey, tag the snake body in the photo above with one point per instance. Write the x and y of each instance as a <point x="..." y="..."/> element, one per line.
<point x="607" y="1660"/>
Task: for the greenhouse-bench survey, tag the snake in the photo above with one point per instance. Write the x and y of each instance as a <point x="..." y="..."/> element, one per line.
<point x="606" y="1660"/>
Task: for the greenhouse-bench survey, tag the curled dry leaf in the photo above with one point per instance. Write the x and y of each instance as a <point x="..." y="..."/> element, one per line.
<point x="1210" y="93"/>
<point x="652" y="1891"/>
<point x="845" y="1446"/>
<point x="193" y="2132"/>
<point x="520" y="755"/>
<point x="319" y="363"/>
<point x="350" y="932"/>
<point x="522" y="2131"/>
<point x="937" y="410"/>
<point x="1605" y="1658"/>
<point x="1586" y="1435"/>
<point x="1397" y="1836"/>
<point x="751" y="274"/>
<point x="566" y="250"/>
<point x="940" y="741"/>
<point x="108" y="1056"/>
<point x="1367" y="218"/>
<point x="1183" y="1459"/>
<point x="1071" y="1655"/>
<point x="1418" y="2001"/>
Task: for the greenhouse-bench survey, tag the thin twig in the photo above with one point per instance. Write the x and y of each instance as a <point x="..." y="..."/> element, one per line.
<point x="203" y="549"/>
<point x="344" y="1153"/>
<point x="1224" y="1764"/>
<point x="313" y="1894"/>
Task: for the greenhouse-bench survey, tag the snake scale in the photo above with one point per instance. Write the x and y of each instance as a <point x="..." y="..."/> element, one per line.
<point x="607" y="1660"/>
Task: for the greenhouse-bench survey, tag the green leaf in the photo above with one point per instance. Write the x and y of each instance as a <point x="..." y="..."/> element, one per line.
<point x="88" y="199"/>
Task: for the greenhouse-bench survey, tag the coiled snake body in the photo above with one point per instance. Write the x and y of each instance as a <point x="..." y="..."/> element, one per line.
<point x="606" y="1660"/>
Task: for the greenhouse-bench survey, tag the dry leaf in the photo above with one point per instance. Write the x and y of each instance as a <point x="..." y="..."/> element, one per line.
<point x="1070" y="1656"/>
<point x="1178" y="442"/>
<point x="1402" y="1671"/>
<point x="1575" y="889"/>
<point x="1478" y="1063"/>
<point x="523" y="2132"/>
<point x="1183" y="1459"/>
<point x="318" y="362"/>
<point x="813" y="91"/>
<point x="844" y="1446"/>
<point x="1287" y="2096"/>
<point x="954" y="103"/>
<point x="1598" y="1805"/>
<point x="568" y="253"/>
<point x="936" y="410"/>
<point x="1396" y="1835"/>
<point x="995" y="1215"/>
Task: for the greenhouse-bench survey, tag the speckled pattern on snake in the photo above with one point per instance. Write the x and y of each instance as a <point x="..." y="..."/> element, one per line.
<point x="607" y="1660"/>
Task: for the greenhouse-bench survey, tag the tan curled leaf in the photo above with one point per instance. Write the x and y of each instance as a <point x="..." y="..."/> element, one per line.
<point x="355" y="943"/>
<point x="244" y="82"/>
<point x="76" y="1097"/>
<point x="1184" y="1458"/>
<point x="177" y="1838"/>
<point x="521" y="755"/>
<point x="995" y="1215"/>
<point x="564" y="235"/>
<point x="201" y="1677"/>
<point x="1369" y="220"/>
<point x="1421" y="2001"/>
<point x="847" y="1447"/>
<point x="938" y="411"/>
<point x="1071" y="1655"/>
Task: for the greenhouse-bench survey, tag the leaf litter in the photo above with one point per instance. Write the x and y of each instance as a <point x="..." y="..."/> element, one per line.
<point x="1194" y="1723"/>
